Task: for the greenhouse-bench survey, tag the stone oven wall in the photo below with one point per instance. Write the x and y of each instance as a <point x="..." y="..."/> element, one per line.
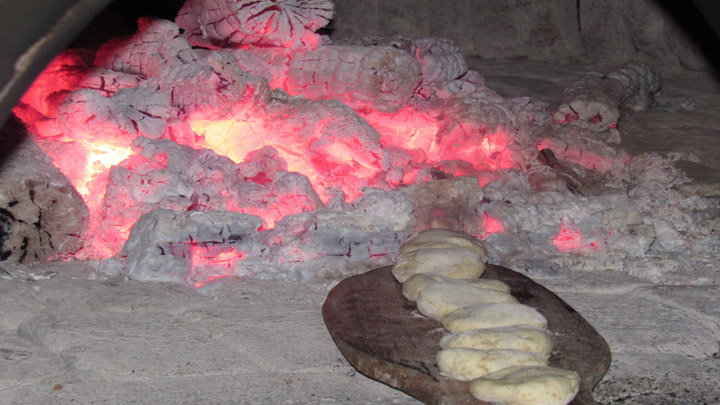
<point x="610" y="31"/>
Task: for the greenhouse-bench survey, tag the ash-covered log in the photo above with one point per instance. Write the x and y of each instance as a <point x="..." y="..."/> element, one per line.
<point x="192" y="247"/>
<point x="593" y="101"/>
<point x="287" y="23"/>
<point x="42" y="216"/>
<point x="381" y="77"/>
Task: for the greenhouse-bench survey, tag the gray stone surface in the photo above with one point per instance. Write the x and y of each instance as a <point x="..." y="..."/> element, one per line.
<point x="18" y="302"/>
<point x="25" y="363"/>
<point x="637" y="325"/>
<point x="636" y="378"/>
<point x="77" y="336"/>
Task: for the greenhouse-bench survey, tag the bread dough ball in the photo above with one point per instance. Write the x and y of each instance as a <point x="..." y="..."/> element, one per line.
<point x="413" y="285"/>
<point x="510" y="337"/>
<point x="439" y="299"/>
<point x="468" y="364"/>
<point x="484" y="316"/>
<point x="442" y="238"/>
<point x="416" y="283"/>
<point x="491" y="284"/>
<point x="527" y="385"/>
<point x="456" y="262"/>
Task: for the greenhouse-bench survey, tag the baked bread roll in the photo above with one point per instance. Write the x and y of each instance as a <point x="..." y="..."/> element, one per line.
<point x="510" y="337"/>
<point x="413" y="285"/>
<point x="439" y="299"/>
<point x="468" y="364"/>
<point x="442" y="238"/>
<point x="527" y="385"/>
<point x="454" y="262"/>
<point x="483" y="316"/>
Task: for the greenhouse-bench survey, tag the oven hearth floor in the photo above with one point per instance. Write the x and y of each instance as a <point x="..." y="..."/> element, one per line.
<point x="69" y="334"/>
<point x="82" y="337"/>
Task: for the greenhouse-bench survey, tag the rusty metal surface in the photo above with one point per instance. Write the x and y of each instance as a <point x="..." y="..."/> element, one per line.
<point x="380" y="332"/>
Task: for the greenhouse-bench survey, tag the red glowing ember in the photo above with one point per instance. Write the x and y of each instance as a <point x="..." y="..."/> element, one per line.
<point x="492" y="225"/>
<point x="570" y="239"/>
<point x="210" y="263"/>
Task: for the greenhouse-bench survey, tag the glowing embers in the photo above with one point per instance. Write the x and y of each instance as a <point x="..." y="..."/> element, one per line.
<point x="570" y="239"/>
<point x="324" y="141"/>
<point x="232" y="137"/>
<point x="406" y="129"/>
<point x="98" y="161"/>
<point x="267" y="154"/>
<point x="485" y="151"/>
<point x="210" y="263"/>
<point x="193" y="247"/>
<point x="491" y="225"/>
<point x="237" y="138"/>
<point x="421" y="136"/>
<point x="129" y="189"/>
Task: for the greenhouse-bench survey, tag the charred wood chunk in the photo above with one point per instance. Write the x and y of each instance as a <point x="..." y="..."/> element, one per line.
<point x="573" y="181"/>
<point x="593" y="101"/>
<point x="440" y="59"/>
<point x="86" y="114"/>
<point x="381" y="78"/>
<point x="157" y="43"/>
<point x="547" y="157"/>
<point x="214" y="86"/>
<point x="41" y="214"/>
<point x="108" y="82"/>
<point x="192" y="247"/>
<point x="289" y="23"/>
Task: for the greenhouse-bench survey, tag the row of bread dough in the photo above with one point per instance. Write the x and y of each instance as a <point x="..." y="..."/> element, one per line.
<point x="499" y="345"/>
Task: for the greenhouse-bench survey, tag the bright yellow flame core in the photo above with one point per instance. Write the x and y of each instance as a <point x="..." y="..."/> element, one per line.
<point x="100" y="158"/>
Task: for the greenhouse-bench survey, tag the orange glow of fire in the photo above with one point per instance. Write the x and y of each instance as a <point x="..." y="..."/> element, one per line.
<point x="210" y="263"/>
<point x="100" y="158"/>
<point x="412" y="134"/>
<point x="236" y="138"/>
<point x="99" y="242"/>
<point x="230" y="137"/>
<point x="490" y="154"/>
<point x="326" y="163"/>
<point x="406" y="129"/>
<point x="417" y="134"/>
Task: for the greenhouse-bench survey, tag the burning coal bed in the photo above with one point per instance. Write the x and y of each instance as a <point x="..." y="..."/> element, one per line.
<point x="237" y="141"/>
